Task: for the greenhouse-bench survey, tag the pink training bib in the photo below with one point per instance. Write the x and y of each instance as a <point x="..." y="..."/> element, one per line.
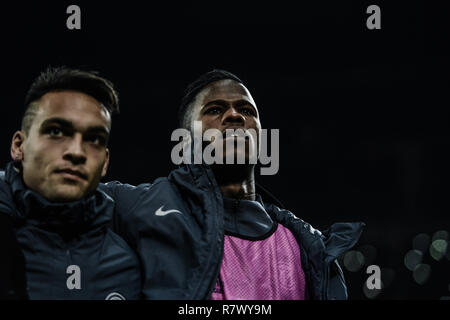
<point x="268" y="269"/>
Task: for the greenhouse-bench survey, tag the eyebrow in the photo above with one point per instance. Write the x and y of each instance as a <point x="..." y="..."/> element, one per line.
<point x="69" y="125"/>
<point x="224" y="103"/>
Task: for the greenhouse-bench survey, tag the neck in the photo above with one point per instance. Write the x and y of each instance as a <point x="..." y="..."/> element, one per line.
<point x="235" y="181"/>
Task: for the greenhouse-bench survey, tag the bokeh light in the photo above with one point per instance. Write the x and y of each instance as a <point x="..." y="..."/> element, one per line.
<point x="438" y="249"/>
<point x="353" y="260"/>
<point x="412" y="259"/>
<point x="422" y="273"/>
<point x="441" y="234"/>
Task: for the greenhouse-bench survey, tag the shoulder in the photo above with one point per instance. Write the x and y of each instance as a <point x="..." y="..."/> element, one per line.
<point x="5" y="188"/>
<point x="6" y="197"/>
<point x="114" y="188"/>
<point x="133" y="204"/>
<point x="345" y="231"/>
<point x="291" y="221"/>
<point x="337" y="239"/>
<point x="123" y="191"/>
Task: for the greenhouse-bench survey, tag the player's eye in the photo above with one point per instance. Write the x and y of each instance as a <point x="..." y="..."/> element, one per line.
<point x="248" y="111"/>
<point x="96" y="139"/>
<point x="54" y="131"/>
<point x="214" y="110"/>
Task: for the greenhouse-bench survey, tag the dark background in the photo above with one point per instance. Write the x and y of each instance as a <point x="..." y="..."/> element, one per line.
<point x="363" y="114"/>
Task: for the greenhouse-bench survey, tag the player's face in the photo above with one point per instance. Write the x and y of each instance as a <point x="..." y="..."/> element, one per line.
<point x="227" y="104"/>
<point x="64" y="154"/>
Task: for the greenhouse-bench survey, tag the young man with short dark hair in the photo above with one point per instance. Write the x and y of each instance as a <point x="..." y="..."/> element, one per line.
<point x="62" y="221"/>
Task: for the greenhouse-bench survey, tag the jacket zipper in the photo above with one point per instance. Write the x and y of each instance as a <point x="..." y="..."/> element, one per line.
<point x="217" y="272"/>
<point x="235" y="208"/>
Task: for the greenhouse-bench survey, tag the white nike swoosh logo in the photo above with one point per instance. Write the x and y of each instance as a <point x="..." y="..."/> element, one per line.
<point x="160" y="212"/>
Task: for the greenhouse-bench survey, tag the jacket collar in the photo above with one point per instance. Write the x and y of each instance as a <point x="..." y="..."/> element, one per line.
<point x="67" y="218"/>
<point x="247" y="219"/>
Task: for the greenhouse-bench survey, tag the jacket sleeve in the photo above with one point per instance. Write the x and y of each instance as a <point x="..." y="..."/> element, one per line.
<point x="6" y="204"/>
<point x="337" y="289"/>
<point x="126" y="197"/>
<point x="340" y="237"/>
<point x="7" y="208"/>
<point x="12" y="266"/>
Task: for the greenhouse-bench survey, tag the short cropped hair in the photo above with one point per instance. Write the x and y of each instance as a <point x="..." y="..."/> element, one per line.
<point x="64" y="78"/>
<point x="185" y="109"/>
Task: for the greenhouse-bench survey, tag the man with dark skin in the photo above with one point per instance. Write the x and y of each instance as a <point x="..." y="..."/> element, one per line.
<point x="227" y="104"/>
<point x="206" y="232"/>
<point x="49" y="191"/>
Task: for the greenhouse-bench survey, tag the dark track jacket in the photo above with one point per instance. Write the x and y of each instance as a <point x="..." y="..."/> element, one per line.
<point x="176" y="226"/>
<point x="70" y="249"/>
<point x="12" y="263"/>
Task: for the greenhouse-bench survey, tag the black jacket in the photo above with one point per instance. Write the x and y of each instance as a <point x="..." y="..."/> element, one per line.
<point x="181" y="253"/>
<point x="12" y="265"/>
<point x="55" y="236"/>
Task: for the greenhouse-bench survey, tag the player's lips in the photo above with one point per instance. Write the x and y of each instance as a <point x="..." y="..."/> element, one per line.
<point x="72" y="174"/>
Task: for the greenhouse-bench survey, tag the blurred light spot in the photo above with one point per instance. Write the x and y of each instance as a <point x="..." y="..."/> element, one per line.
<point x="372" y="293"/>
<point x="441" y="234"/>
<point x="353" y="260"/>
<point x="369" y="252"/>
<point x="445" y="298"/>
<point x="421" y="273"/>
<point x="438" y="249"/>
<point x="387" y="276"/>
<point x="421" y="242"/>
<point x="412" y="259"/>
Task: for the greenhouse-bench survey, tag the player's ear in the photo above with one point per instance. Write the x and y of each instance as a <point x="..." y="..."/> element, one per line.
<point x="17" y="143"/>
